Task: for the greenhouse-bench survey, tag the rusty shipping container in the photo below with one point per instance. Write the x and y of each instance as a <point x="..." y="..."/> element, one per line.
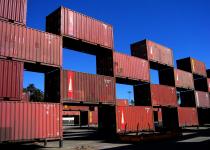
<point x="134" y="119"/>
<point x="208" y="84"/>
<point x="188" y="116"/>
<point x="162" y="95"/>
<point x="13" y="11"/>
<point x="202" y="99"/>
<point x="11" y="80"/>
<point x="74" y="25"/>
<point x="30" y="45"/>
<point x="192" y="65"/>
<point x="88" y="88"/>
<point x="71" y="113"/>
<point x="126" y="66"/>
<point x="93" y="117"/>
<point x="183" y="79"/>
<point x="177" y="78"/>
<point x="28" y="121"/>
<point x="122" y="102"/>
<point x="125" y="119"/>
<point x="152" y="51"/>
<point x="155" y="95"/>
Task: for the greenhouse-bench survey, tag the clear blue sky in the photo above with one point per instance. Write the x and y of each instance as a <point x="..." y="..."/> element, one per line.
<point x="181" y="25"/>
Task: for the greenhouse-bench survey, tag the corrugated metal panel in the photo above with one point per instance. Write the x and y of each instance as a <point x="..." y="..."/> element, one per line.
<point x="71" y="113"/>
<point x="202" y="99"/>
<point x="192" y="65"/>
<point x="125" y="67"/>
<point x="11" y="80"/>
<point x="13" y="10"/>
<point x="122" y="102"/>
<point x="152" y="51"/>
<point x="183" y="79"/>
<point x="134" y="118"/>
<point x="76" y="108"/>
<point x="76" y="25"/>
<point x="30" y="45"/>
<point x="198" y="67"/>
<point x="188" y="116"/>
<point x="23" y="121"/>
<point x="93" y="117"/>
<point x="208" y="84"/>
<point x="85" y="87"/>
<point x="162" y="95"/>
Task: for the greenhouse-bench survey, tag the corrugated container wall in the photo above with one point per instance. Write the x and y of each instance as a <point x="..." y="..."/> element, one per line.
<point x="83" y="87"/>
<point x="176" y="77"/>
<point x="66" y="22"/>
<point x="192" y="65"/>
<point x="155" y="95"/>
<point x="11" y="80"/>
<point x="13" y="10"/>
<point x="162" y="95"/>
<point x="30" y="45"/>
<point x="209" y="84"/>
<point x="126" y="66"/>
<point x="188" y="116"/>
<point x="23" y="121"/>
<point x="152" y="51"/>
<point x="183" y="79"/>
<point x="122" y="102"/>
<point x="134" y="119"/>
<point x="202" y="99"/>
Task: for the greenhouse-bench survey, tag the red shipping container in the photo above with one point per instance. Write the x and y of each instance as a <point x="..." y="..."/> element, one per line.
<point x="83" y="87"/>
<point x="11" y="80"/>
<point x="30" y="45"/>
<point x="192" y="65"/>
<point x="93" y="117"/>
<point x="162" y="95"/>
<point x="28" y="121"/>
<point x="13" y="10"/>
<point x="209" y="84"/>
<point x="122" y="102"/>
<point x="202" y="99"/>
<point x="152" y="51"/>
<point x="125" y="67"/>
<point x="188" y="116"/>
<point x="71" y="113"/>
<point x="183" y="79"/>
<point x="66" y="22"/>
<point x="134" y="119"/>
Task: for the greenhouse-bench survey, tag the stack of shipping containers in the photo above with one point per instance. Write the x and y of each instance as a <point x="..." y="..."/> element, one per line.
<point x="81" y="90"/>
<point x="181" y="99"/>
<point x="161" y="97"/>
<point x="200" y="94"/>
<point x="26" y="48"/>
